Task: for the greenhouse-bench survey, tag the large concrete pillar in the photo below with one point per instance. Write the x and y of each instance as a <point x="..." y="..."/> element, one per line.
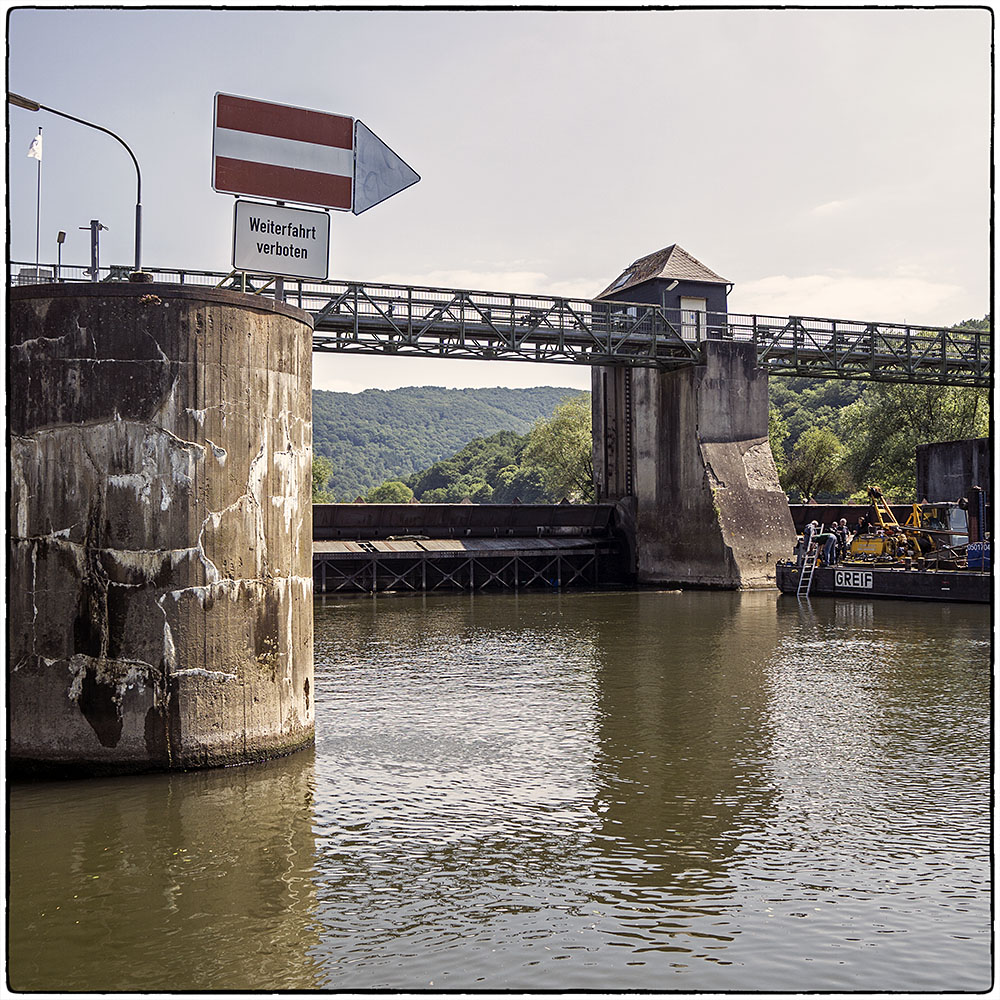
<point x="686" y="455"/>
<point x="160" y="553"/>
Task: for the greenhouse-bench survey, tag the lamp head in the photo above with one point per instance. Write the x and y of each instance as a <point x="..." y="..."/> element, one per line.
<point x="22" y="102"/>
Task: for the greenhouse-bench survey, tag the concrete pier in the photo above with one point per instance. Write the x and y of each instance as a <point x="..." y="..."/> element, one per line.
<point x="160" y="528"/>
<point x="686" y="456"/>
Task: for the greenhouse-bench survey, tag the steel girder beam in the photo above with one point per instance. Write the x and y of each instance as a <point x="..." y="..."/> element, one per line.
<point x="537" y="328"/>
<point x="879" y="352"/>
<point x="450" y="323"/>
<point x="371" y="318"/>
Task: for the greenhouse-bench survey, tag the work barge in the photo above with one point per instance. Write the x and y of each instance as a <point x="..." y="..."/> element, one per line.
<point x="909" y="583"/>
<point x="370" y="548"/>
<point x="925" y="552"/>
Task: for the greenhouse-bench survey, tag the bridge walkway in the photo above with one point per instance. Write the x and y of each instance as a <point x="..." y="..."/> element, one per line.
<point x="388" y="319"/>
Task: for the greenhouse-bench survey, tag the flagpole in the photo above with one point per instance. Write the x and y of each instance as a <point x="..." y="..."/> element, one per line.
<point x="38" y="209"/>
<point x="29" y="105"/>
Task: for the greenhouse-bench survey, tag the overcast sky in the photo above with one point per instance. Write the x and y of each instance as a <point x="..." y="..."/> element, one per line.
<point x="827" y="162"/>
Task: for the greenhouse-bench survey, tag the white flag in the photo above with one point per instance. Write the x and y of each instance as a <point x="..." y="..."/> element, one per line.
<point x="35" y="149"/>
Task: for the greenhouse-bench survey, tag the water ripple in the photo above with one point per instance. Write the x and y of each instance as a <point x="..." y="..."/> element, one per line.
<point x="694" y="792"/>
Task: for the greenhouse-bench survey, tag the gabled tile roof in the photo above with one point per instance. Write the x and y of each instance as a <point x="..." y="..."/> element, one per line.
<point x="670" y="262"/>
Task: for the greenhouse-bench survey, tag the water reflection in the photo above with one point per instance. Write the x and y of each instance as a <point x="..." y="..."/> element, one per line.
<point x="684" y="722"/>
<point x="179" y="882"/>
<point x="879" y="842"/>
<point x="669" y="790"/>
<point x="654" y="791"/>
<point x="684" y="725"/>
<point x="470" y="727"/>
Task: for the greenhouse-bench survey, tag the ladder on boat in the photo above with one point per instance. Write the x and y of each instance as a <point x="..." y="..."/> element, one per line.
<point x="808" y="568"/>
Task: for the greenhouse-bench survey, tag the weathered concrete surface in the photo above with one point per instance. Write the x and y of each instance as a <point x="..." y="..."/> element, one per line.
<point x="160" y="528"/>
<point x="691" y="448"/>
<point x="947" y="470"/>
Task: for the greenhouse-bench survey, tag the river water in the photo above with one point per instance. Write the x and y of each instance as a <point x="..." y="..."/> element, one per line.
<point x="640" y="790"/>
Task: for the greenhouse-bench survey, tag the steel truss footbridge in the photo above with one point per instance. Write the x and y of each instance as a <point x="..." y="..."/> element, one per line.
<point x="369" y="318"/>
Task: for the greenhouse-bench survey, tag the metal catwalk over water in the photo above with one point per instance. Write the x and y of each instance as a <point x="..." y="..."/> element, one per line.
<point x="474" y="547"/>
<point x="370" y="318"/>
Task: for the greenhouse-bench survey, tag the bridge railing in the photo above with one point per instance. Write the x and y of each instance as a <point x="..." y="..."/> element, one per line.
<point x="23" y="273"/>
<point x="367" y="317"/>
<point x="389" y="318"/>
<point x="462" y="323"/>
<point x="806" y="345"/>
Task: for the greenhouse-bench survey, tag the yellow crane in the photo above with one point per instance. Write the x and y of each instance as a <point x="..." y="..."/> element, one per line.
<point x="891" y="541"/>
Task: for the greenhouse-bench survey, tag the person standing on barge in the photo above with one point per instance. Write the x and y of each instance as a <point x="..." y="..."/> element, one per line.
<point x="827" y="542"/>
<point x="843" y="538"/>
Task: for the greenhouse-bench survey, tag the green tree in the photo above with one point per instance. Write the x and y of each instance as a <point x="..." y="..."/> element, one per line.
<point x="777" y="432"/>
<point x="562" y="447"/>
<point x="482" y="493"/>
<point x="884" y="426"/>
<point x="322" y="470"/>
<point x="479" y="462"/>
<point x="392" y="491"/>
<point x="522" y="483"/>
<point x="810" y="402"/>
<point x="816" y="464"/>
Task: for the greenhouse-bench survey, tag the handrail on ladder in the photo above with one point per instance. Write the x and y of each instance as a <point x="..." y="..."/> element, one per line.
<point x="808" y="568"/>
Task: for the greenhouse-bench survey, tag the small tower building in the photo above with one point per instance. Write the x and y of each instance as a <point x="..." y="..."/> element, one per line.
<point x="690" y="292"/>
<point x="684" y="453"/>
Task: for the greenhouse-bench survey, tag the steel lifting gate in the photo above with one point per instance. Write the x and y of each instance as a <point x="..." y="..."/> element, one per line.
<point x="469" y="566"/>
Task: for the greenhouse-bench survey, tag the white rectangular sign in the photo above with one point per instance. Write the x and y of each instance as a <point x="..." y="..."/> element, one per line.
<point x="275" y="239"/>
<point x="853" y="579"/>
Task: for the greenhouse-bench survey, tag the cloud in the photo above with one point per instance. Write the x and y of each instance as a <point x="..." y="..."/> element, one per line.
<point x="499" y="280"/>
<point x="357" y="372"/>
<point x="893" y="299"/>
<point x="831" y="207"/>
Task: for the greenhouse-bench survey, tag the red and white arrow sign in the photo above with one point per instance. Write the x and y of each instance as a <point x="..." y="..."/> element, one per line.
<point x="310" y="157"/>
<point x="281" y="152"/>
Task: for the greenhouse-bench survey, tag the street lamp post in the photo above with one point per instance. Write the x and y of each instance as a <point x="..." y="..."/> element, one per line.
<point x="60" y="240"/>
<point x="29" y="105"/>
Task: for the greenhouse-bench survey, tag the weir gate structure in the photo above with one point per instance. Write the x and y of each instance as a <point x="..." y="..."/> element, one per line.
<point x="160" y="534"/>
<point x="679" y="387"/>
<point x="403" y="547"/>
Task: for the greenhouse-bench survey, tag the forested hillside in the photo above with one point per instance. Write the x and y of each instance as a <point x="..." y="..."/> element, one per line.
<point x="549" y="463"/>
<point x="378" y="435"/>
<point x="830" y="439"/>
